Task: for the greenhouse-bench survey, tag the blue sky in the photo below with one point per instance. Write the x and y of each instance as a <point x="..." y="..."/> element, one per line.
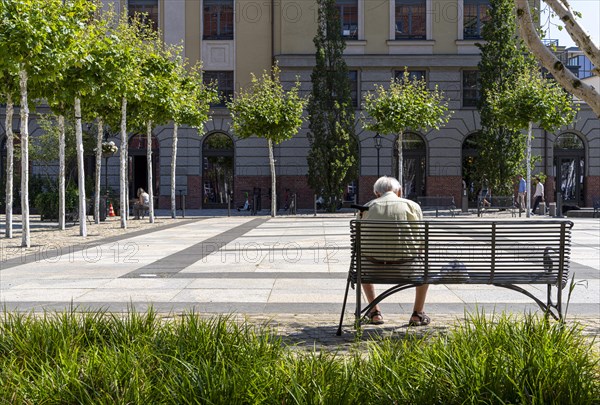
<point x="590" y="21"/>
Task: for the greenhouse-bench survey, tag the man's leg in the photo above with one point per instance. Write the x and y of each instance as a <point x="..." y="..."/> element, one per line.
<point x="369" y="290"/>
<point x="418" y="318"/>
<point x="536" y="202"/>
<point x="420" y="296"/>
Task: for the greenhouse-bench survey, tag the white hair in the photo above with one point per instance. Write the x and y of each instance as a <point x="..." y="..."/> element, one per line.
<point x="385" y="184"/>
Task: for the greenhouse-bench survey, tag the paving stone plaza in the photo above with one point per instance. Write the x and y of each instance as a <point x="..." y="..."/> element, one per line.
<point x="290" y="269"/>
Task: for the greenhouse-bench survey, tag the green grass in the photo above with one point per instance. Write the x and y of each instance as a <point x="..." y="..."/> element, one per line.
<point x="101" y="358"/>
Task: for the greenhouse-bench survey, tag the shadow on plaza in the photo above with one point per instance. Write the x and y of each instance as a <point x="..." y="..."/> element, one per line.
<point x="323" y="337"/>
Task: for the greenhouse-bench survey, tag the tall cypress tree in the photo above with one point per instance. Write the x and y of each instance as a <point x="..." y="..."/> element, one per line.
<point x="503" y="56"/>
<point x="333" y="151"/>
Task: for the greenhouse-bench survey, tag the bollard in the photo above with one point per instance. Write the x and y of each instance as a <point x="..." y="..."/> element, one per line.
<point x="295" y="199"/>
<point x="183" y="206"/>
<point x="315" y="204"/>
<point x="542" y="208"/>
<point x="559" y="198"/>
<point x="180" y="202"/>
<point x="228" y="204"/>
<point x="552" y="209"/>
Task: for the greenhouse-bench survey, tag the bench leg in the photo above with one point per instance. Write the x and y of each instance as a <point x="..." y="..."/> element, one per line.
<point x="339" y="331"/>
<point x="357" y="310"/>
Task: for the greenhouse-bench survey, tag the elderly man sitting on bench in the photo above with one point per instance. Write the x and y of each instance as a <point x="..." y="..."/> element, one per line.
<point x="389" y="205"/>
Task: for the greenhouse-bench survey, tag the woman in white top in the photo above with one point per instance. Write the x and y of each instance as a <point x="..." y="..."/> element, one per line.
<point x="142" y="204"/>
<point x="538" y="196"/>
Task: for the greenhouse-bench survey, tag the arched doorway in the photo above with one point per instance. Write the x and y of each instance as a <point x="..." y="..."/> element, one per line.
<point x="217" y="170"/>
<point x="569" y="167"/>
<point x="473" y="181"/>
<point x="414" y="165"/>
<point x="138" y="165"/>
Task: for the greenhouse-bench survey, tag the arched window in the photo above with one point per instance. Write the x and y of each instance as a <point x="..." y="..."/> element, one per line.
<point x="414" y="165"/>
<point x="569" y="168"/>
<point x="217" y="170"/>
<point x="138" y="164"/>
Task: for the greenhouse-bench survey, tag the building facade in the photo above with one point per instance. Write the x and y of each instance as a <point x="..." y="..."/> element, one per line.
<point x="434" y="39"/>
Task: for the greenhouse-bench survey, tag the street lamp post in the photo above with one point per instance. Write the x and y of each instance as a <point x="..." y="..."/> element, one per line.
<point x="108" y="149"/>
<point x="377" y="139"/>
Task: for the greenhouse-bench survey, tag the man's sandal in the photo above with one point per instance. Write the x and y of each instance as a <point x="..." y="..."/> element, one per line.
<point x="374" y="314"/>
<point x="422" y="319"/>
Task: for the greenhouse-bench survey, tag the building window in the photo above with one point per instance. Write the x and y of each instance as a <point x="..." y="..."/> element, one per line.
<point x="581" y="66"/>
<point x="217" y="19"/>
<point x="410" y="19"/>
<point x="412" y="74"/>
<point x="145" y="10"/>
<point x="475" y="15"/>
<point x="470" y="88"/>
<point x="224" y="81"/>
<point x="348" y="12"/>
<point x="353" y="79"/>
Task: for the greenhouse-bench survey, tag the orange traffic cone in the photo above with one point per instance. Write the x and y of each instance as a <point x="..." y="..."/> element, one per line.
<point x="111" y="211"/>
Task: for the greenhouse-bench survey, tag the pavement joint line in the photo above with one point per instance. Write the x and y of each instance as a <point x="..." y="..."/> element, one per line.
<point x="264" y="275"/>
<point x="76" y="247"/>
<point x="174" y="263"/>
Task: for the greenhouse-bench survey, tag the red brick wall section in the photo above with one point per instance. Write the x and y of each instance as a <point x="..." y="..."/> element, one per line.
<point x="295" y="184"/>
<point x="193" y="199"/>
<point x="592" y="187"/>
<point x="549" y="190"/>
<point x="164" y="202"/>
<point x="444" y="186"/>
<point x="365" y="188"/>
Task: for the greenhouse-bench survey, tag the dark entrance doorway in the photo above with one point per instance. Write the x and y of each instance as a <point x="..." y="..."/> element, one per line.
<point x="138" y="165"/>
<point x="217" y="170"/>
<point x="569" y="166"/>
<point x="414" y="165"/>
<point x="473" y="181"/>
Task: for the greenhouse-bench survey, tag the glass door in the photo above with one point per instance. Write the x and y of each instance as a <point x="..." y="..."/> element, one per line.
<point x="569" y="175"/>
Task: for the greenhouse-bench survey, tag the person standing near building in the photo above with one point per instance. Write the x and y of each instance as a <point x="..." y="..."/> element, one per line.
<point x="538" y="196"/>
<point x="522" y="193"/>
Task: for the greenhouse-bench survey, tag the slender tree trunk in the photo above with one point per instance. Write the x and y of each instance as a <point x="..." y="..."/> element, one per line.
<point x="273" y="182"/>
<point x="123" y="164"/>
<point x="400" y="163"/>
<point x="80" y="169"/>
<point x="528" y="163"/>
<point x="61" y="172"/>
<point x="149" y="164"/>
<point x="99" y="137"/>
<point x="25" y="237"/>
<point x="9" y="166"/>
<point x="173" y="171"/>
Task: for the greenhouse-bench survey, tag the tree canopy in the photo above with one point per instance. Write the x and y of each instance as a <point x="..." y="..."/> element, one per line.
<point x="408" y="103"/>
<point x="265" y="109"/>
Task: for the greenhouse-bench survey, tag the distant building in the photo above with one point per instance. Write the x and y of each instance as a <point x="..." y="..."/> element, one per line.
<point x="432" y="39"/>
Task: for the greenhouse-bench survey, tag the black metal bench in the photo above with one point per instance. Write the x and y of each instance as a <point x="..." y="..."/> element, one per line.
<point x="437" y="203"/>
<point x="507" y="254"/>
<point x="502" y="202"/>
